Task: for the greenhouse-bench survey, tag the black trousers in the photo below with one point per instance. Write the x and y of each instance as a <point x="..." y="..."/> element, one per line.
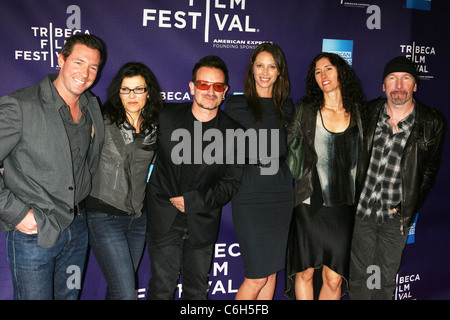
<point x="172" y="256"/>
<point x="377" y="248"/>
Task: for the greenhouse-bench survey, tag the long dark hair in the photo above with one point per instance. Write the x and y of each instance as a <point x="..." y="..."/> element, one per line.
<point x="113" y="108"/>
<point x="352" y="94"/>
<point x="281" y="87"/>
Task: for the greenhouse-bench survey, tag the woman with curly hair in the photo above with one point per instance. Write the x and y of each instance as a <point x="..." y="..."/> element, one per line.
<point x="322" y="223"/>
<point x="116" y="219"/>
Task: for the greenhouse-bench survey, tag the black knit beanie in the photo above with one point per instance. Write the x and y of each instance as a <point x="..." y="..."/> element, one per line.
<point x="401" y="64"/>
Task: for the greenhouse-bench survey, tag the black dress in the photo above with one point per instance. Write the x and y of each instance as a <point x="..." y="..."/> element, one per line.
<point x="262" y="207"/>
<point x="322" y="226"/>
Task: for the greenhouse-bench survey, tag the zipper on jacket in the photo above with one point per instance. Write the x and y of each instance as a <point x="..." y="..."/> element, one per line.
<point x="117" y="174"/>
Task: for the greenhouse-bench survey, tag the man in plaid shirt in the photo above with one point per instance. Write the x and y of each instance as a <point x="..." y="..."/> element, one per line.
<point x="398" y="164"/>
<point x="383" y="190"/>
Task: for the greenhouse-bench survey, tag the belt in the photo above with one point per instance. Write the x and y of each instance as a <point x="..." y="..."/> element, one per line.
<point x="78" y="207"/>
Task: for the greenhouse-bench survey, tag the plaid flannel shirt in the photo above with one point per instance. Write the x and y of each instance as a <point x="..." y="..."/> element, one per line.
<point x="382" y="189"/>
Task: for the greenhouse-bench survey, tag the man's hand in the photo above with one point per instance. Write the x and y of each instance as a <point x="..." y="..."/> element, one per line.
<point x="178" y="202"/>
<point x="28" y="225"/>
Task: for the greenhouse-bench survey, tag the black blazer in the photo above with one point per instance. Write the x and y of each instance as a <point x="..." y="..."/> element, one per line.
<point x="212" y="187"/>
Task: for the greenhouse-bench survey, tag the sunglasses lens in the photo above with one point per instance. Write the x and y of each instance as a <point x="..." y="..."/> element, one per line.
<point x="219" y="87"/>
<point x="203" y="85"/>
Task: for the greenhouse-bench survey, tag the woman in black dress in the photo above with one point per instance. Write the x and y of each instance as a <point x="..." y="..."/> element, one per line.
<point x="262" y="208"/>
<point x="322" y="224"/>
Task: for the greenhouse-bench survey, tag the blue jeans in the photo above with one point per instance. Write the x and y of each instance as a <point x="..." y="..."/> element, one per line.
<point x="118" y="244"/>
<point x="48" y="273"/>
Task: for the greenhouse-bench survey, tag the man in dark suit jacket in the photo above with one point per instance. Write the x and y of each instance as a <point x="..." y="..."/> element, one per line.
<point x="51" y="134"/>
<point x="186" y="193"/>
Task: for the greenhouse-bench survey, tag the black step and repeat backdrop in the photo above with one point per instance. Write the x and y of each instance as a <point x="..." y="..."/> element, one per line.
<point x="171" y="36"/>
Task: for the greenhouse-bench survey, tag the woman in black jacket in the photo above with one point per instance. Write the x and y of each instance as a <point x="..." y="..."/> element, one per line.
<point x="322" y="225"/>
<point x="116" y="217"/>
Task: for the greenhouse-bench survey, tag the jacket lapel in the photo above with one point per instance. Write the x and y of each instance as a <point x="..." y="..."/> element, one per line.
<point x="416" y="131"/>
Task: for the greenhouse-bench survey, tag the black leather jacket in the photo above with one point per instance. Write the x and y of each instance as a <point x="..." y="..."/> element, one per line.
<point x="420" y="160"/>
<point x="307" y="126"/>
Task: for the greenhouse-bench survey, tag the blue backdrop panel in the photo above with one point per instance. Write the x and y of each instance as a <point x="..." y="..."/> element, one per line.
<point x="170" y="36"/>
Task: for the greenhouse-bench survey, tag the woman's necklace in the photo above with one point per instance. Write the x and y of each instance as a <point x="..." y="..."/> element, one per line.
<point x="333" y="107"/>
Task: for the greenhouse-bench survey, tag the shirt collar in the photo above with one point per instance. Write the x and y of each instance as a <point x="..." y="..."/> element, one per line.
<point x="403" y="124"/>
<point x="56" y="98"/>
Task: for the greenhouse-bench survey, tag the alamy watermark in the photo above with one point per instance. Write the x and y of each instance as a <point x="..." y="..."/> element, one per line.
<point x="237" y="146"/>
<point x="374" y="280"/>
<point x="74" y="279"/>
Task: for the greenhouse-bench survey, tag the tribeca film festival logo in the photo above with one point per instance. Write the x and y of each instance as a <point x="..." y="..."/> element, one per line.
<point x="404" y="286"/>
<point x="240" y="147"/>
<point x="213" y="15"/>
<point x="419" y="54"/>
<point x="52" y="39"/>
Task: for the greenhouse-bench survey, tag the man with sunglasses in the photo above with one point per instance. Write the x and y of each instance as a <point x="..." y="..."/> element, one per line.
<point x="185" y="197"/>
